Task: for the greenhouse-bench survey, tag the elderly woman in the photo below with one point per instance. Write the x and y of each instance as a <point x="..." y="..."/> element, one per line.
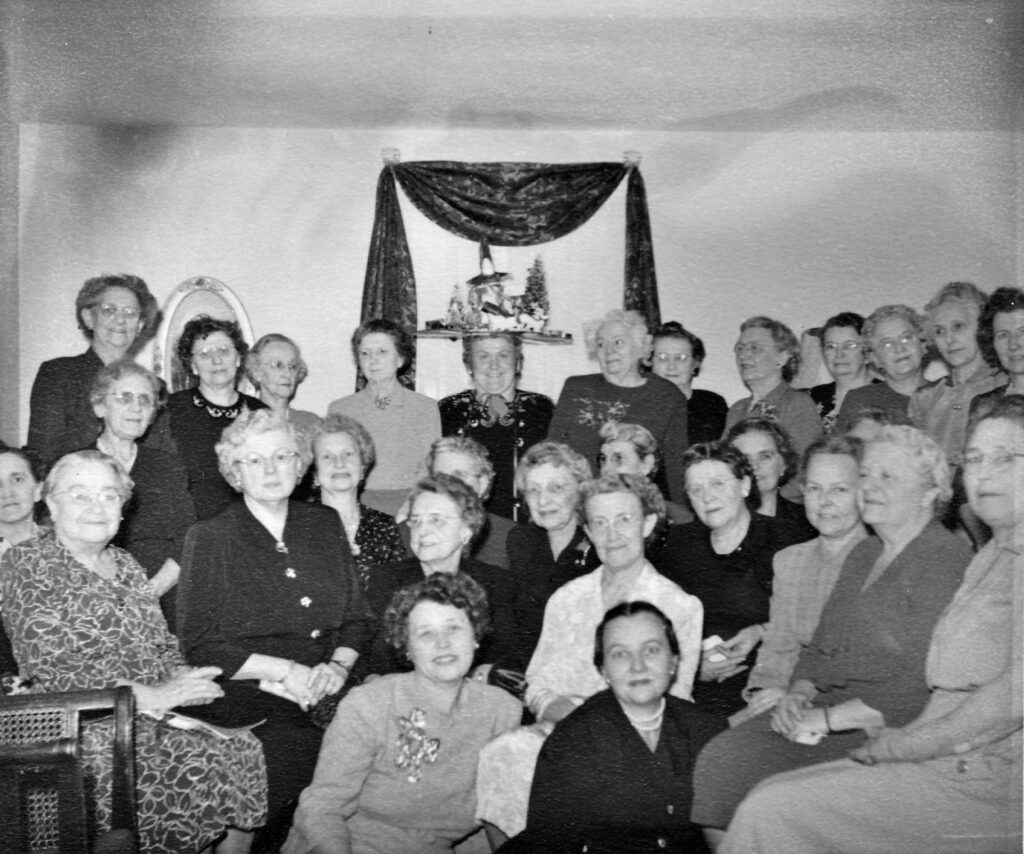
<point x="865" y="666"/>
<point x="445" y="515"/>
<point x="397" y="769"/>
<point x="621" y="392"/>
<point x="618" y="512"/>
<point x="401" y="422"/>
<point x="950" y="780"/>
<point x="678" y="356"/>
<point x="553" y="549"/>
<point x="269" y="595"/>
<point x="343" y="454"/>
<point x="846" y="361"/>
<point x="616" y="775"/>
<point x="774" y="460"/>
<point x="81" y="615"/>
<point x="895" y="338"/>
<point x="503" y="418"/>
<point x="117" y="314"/>
<point x="806" y="573"/>
<point x="725" y="560"/>
<point x="192" y="423"/>
<point x="125" y="397"/>
<point x="940" y="407"/>
<point x="768" y="357"/>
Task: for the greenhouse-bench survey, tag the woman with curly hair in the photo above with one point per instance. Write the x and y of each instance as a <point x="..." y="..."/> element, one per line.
<point x="397" y="769"/>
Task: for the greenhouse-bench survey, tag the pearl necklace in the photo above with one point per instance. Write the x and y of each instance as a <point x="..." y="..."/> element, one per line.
<point x="648" y="724"/>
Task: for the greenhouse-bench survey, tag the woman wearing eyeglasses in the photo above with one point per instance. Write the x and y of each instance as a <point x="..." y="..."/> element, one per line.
<point x="895" y="339"/>
<point x="125" y="397"/>
<point x="268" y="594"/>
<point x="843" y="350"/>
<point x="117" y="314"/>
<point x="213" y="350"/>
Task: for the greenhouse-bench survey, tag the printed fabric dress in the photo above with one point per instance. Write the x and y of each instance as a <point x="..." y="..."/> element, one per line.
<point x="72" y="630"/>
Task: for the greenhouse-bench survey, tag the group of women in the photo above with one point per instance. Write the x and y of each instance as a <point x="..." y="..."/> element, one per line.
<point x="750" y="620"/>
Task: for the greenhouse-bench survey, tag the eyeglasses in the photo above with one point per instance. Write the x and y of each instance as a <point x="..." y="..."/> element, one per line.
<point x="890" y="344"/>
<point x="715" y="487"/>
<point x="434" y="521"/>
<point x="108" y="499"/>
<point x="998" y="460"/>
<point x="671" y="358"/>
<point x="257" y="462"/>
<point x="278" y="365"/>
<point x="602" y="525"/>
<point x="209" y="353"/>
<point x="327" y="458"/>
<point x="127" y="398"/>
<point x="847" y="347"/>
<point x="109" y="312"/>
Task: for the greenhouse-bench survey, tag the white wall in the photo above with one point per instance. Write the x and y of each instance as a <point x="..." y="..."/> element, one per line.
<point x="796" y="225"/>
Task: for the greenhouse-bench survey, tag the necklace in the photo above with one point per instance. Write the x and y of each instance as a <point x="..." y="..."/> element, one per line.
<point x="213" y="410"/>
<point x="649" y="723"/>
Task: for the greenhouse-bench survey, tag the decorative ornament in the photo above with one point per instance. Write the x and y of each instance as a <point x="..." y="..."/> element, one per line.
<point x="414" y="747"/>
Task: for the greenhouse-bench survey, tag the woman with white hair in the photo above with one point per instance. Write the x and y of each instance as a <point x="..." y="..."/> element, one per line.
<point x="622" y="392"/>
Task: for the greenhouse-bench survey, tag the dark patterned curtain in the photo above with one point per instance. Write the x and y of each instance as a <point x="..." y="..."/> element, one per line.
<point x="506" y="204"/>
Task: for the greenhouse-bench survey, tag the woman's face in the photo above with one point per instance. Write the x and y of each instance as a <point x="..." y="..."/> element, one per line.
<point x="267" y="466"/>
<point x="830" y="494"/>
<point x="19" y="491"/>
<point x="758" y="358"/>
<point x="638" y="661"/>
<point x="620" y="456"/>
<point x="616" y="525"/>
<point x="673" y="360"/>
<point x="1008" y="339"/>
<point x="441" y="642"/>
<point x="279" y="370"/>
<point x="466" y="467"/>
<point x="86" y="504"/>
<point x="891" y="491"/>
<point x="716" y="494"/>
<point x="215" y="361"/>
<point x="438" y="532"/>
<point x="115" y="319"/>
<point x="896" y="348"/>
<point x="954" y="325"/>
<point x="493" y="365"/>
<point x="339" y="468"/>
<point x="618" y="352"/>
<point x="551" y="493"/>
<point x="764" y="458"/>
<point x="127" y="408"/>
<point x="994" y="473"/>
<point x="378" y="357"/>
<point x="843" y="350"/>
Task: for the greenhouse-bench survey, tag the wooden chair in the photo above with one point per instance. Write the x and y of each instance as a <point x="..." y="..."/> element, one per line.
<point x="42" y="790"/>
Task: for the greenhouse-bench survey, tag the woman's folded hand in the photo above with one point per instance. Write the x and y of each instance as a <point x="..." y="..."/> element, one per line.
<point x="789" y="712"/>
<point x="188" y="686"/>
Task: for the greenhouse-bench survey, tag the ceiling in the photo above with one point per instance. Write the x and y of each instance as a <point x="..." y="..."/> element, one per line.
<point x="687" y="65"/>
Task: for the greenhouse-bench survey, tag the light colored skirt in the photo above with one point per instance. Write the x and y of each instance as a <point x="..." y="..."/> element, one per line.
<point x="505" y="774"/>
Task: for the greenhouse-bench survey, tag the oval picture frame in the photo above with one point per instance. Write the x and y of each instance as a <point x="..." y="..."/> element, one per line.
<point x="193" y="297"/>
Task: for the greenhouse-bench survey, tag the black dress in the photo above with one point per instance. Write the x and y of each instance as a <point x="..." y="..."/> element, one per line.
<point x="61" y="418"/>
<point x="705" y="416"/>
<point x="599" y="788"/>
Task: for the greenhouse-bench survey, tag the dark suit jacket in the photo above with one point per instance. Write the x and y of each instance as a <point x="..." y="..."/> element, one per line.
<point x="61" y="419"/>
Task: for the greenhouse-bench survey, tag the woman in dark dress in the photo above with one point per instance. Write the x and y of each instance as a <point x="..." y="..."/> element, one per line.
<point x="678" y="355"/>
<point x="846" y="360"/>
<point x="268" y="593"/>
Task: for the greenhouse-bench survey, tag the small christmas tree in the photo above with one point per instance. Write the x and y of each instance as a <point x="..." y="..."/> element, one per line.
<point x="535" y="298"/>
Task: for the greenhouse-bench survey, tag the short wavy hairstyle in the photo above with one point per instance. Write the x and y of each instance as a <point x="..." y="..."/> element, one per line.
<point x="1002" y="301"/>
<point x="1008" y="407"/>
<point x="924" y="454"/>
<point x="674" y="329"/>
<point x="253" y="359"/>
<point x="887" y="312"/>
<point x="784" y="340"/>
<point x="731" y="458"/>
<point x="254" y="422"/>
<point x="344" y="424"/>
<point x="203" y="326"/>
<point x="634" y="322"/>
<point x="780" y="438"/>
<point x="110" y="374"/>
<point x="55" y="479"/>
<point x="469" y="341"/>
<point x="830" y="446"/>
<point x="470" y="507"/>
<point x="554" y="454"/>
<point x="631" y="609"/>
<point x="404" y="343"/>
<point x="965" y="292"/>
<point x="458" y="590"/>
<point x="462" y="445"/>
<point x="36" y="467"/>
<point x="649" y="496"/>
<point x="149" y="310"/>
<point x="843" y="320"/>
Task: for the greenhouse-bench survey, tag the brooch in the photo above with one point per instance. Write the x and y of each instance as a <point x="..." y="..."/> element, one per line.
<point x="414" y="748"/>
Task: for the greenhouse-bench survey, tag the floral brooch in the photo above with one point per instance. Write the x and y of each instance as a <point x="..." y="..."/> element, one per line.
<point x="414" y="748"/>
